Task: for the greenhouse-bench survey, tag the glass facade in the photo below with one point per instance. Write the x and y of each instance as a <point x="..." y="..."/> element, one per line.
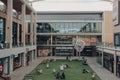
<point x="20" y="33"/>
<point x="99" y="56"/>
<point x="69" y="27"/>
<point x="2" y="29"/>
<point x="117" y="39"/>
<point x="28" y="27"/>
<point x="58" y="42"/>
<point x="14" y="34"/>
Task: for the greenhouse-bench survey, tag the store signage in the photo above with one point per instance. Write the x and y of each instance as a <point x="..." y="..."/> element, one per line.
<point x="116" y="13"/>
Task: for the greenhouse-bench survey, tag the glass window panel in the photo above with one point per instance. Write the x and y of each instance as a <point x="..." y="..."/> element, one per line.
<point x="2" y="29"/>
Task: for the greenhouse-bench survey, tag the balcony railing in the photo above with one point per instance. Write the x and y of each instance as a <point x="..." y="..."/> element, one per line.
<point x="107" y="45"/>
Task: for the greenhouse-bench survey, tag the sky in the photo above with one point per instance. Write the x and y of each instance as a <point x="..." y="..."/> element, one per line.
<point x="72" y="5"/>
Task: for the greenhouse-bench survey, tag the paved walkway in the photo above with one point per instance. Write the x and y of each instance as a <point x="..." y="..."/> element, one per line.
<point x="21" y="72"/>
<point x="102" y="72"/>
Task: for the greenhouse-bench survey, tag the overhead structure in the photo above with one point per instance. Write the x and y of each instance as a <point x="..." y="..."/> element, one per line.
<point x="31" y="1"/>
<point x="108" y="0"/>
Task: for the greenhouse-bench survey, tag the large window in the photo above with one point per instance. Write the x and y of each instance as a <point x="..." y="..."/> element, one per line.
<point x="117" y="39"/>
<point x="14" y="34"/>
<point x="69" y="27"/>
<point x="2" y="29"/>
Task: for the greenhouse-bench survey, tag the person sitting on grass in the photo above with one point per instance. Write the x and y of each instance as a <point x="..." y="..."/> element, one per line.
<point x="47" y="65"/>
<point x="62" y="75"/>
<point x="93" y="76"/>
<point x="61" y="67"/>
<point x="85" y="71"/>
<point x="39" y="71"/>
<point x="58" y="75"/>
<point x="66" y="66"/>
<point x="84" y="61"/>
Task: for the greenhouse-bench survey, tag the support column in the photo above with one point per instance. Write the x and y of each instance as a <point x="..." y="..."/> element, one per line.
<point x="77" y="54"/>
<point x="115" y="56"/>
<point x="102" y="56"/>
<point x="23" y="23"/>
<point x="35" y="14"/>
<point x="35" y="54"/>
<point x="31" y="28"/>
<point x="24" y="59"/>
<point x="11" y="64"/>
<point x="18" y="35"/>
<point x="51" y="39"/>
<point x="32" y="55"/>
<point x="9" y="22"/>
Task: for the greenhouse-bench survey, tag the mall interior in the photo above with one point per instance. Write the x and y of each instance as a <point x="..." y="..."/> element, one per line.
<point x="27" y="34"/>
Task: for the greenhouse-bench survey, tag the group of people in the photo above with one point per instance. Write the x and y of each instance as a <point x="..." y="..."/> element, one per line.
<point x="60" y="76"/>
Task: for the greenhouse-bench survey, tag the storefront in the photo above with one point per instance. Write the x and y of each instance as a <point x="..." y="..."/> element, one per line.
<point x="4" y="66"/>
<point x="17" y="61"/>
<point x="118" y="66"/>
<point x="108" y="61"/>
<point x="99" y="57"/>
<point x="29" y="56"/>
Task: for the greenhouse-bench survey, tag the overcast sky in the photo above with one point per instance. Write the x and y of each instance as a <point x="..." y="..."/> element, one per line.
<point x="72" y="5"/>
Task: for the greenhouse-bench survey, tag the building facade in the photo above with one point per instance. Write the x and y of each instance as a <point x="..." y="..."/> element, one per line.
<point x="57" y="32"/>
<point x="17" y="37"/>
<point x="109" y="54"/>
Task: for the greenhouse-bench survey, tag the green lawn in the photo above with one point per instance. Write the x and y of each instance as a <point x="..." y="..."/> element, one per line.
<point x="73" y="73"/>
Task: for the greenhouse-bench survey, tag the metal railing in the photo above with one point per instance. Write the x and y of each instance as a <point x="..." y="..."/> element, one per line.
<point x="106" y="44"/>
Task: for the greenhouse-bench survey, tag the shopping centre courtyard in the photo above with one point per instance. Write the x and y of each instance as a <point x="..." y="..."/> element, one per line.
<point x="75" y="70"/>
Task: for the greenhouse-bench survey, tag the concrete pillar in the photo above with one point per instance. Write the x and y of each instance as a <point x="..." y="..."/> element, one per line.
<point x="51" y="39"/>
<point x="115" y="56"/>
<point x="35" y="28"/>
<point x="102" y="56"/>
<point x="32" y="54"/>
<point x="73" y="51"/>
<point x="5" y="63"/>
<point x="92" y="27"/>
<point x="35" y="54"/>
<point x="31" y="28"/>
<point x="18" y="35"/>
<point x="9" y="22"/>
<point x="24" y="59"/>
<point x="77" y="54"/>
<point x="11" y="64"/>
<point x="23" y="23"/>
<point x="20" y="58"/>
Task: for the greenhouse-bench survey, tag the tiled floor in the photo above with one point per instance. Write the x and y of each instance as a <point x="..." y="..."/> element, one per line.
<point x="102" y="72"/>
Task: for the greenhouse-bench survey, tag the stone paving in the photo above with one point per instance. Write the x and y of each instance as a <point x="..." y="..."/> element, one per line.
<point x="21" y="72"/>
<point x="101" y="72"/>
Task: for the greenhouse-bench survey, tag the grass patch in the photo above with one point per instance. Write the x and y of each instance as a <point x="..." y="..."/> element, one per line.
<point x="72" y="73"/>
